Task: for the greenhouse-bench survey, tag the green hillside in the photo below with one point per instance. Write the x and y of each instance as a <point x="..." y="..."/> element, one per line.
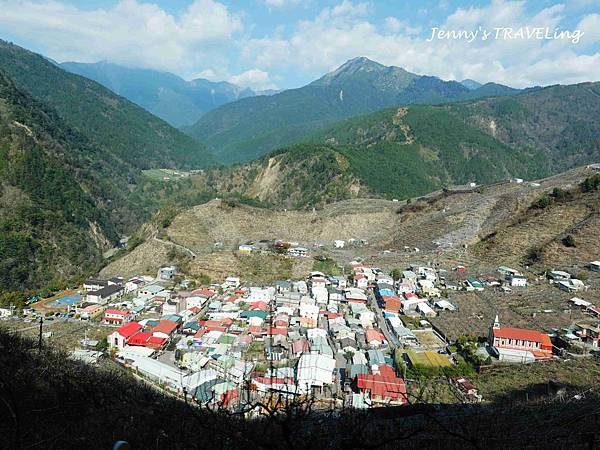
<point x="409" y="151"/>
<point x="55" y="203"/>
<point x="110" y="122"/>
<point x="251" y="127"/>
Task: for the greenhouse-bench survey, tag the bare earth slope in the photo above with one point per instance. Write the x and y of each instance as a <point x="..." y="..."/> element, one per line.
<point x="440" y="225"/>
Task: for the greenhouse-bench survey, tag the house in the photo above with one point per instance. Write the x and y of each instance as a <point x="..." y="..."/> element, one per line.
<point x="105" y="295"/>
<point x="382" y="388"/>
<point x="595" y="266"/>
<point x="507" y="271"/>
<point x="119" y="338"/>
<point x="314" y="371"/>
<point x="167" y="273"/>
<point x="164" y="329"/>
<point x="426" y="310"/>
<point x="466" y="388"/>
<point x="301" y="252"/>
<point x="151" y="291"/>
<point x="139" y="339"/>
<point x="283" y="286"/>
<point x="445" y="305"/>
<point x="375" y="338"/>
<point x="519" y="345"/>
<point x="473" y="284"/>
<point x="300" y="346"/>
<point x="593" y="310"/>
<point x="245" y="249"/>
<point x="116" y="316"/>
<point x="339" y="243"/>
<point x="231" y="282"/>
<point x="558" y="275"/>
<point x="354" y="295"/>
<point x="517" y="280"/>
<point x="580" y="302"/>
<point x="94" y="285"/>
<point x="572" y="285"/>
<point x="89" y="311"/>
<point x="133" y="284"/>
<point x="171" y="307"/>
<point x="589" y="334"/>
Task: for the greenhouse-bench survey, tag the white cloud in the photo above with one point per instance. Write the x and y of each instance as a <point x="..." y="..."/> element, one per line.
<point x="207" y="39"/>
<point x="393" y="25"/>
<point x="254" y="78"/>
<point x="339" y="33"/>
<point x="130" y="32"/>
<point x="280" y="3"/>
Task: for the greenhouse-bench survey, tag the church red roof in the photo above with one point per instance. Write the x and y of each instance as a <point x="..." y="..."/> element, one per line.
<point x="522" y="335"/>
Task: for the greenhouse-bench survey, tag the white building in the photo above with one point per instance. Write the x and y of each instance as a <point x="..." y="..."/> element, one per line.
<point x="517" y="280"/>
<point x="298" y="251"/>
<point x="105" y="295"/>
<point x="167" y="273"/>
<point x="231" y="282"/>
<point x="314" y="371"/>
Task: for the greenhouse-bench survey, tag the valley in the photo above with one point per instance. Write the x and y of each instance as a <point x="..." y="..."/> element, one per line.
<point x="374" y="242"/>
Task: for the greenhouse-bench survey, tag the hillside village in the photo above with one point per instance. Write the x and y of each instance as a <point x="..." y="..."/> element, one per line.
<point x="357" y="340"/>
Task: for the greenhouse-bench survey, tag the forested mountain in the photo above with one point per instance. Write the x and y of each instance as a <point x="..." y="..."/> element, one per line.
<point x="173" y="99"/>
<point x="109" y="121"/>
<point x="251" y="127"/>
<point x="409" y="151"/>
<point x="56" y="195"/>
<point x="71" y="170"/>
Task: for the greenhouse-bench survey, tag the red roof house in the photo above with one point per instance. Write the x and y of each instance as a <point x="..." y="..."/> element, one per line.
<point x="156" y="342"/>
<point x="382" y="388"/>
<point x="164" y="328"/>
<point x="129" y="329"/>
<point x="139" y="338"/>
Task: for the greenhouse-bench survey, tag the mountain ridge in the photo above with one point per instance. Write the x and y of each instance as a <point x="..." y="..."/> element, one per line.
<point x="251" y="127"/>
<point x="408" y="151"/>
<point x="112" y="122"/>
<point x="168" y="96"/>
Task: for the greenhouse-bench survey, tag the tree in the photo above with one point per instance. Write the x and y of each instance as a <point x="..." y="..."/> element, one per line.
<point x="102" y="345"/>
<point x="569" y="241"/>
<point x="542" y="203"/>
<point x="396" y="274"/>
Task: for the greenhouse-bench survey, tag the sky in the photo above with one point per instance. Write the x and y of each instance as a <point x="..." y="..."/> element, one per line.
<point x="281" y="44"/>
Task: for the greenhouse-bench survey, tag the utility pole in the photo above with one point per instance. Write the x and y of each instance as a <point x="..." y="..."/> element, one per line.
<point x="40" y="334"/>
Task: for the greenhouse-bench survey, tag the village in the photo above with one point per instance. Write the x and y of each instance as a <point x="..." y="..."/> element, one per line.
<point x="355" y="340"/>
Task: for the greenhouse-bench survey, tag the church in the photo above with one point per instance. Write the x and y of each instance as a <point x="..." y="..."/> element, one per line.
<point x="519" y="345"/>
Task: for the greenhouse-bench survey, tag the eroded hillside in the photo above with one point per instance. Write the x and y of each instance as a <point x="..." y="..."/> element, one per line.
<point x="447" y="224"/>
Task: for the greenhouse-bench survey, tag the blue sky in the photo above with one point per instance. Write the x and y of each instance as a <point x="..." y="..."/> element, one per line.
<point x="288" y="43"/>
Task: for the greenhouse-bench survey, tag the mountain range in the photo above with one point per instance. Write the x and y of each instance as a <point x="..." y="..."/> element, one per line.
<point x="74" y="152"/>
<point x="113" y="123"/>
<point x="409" y="151"/>
<point x="251" y="127"/>
<point x="173" y="99"/>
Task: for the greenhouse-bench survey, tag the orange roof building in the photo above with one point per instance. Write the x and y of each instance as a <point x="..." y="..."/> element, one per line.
<point x="518" y="343"/>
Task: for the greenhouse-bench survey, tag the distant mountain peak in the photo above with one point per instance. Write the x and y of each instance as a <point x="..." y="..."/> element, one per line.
<point x="471" y="84"/>
<point x="365" y="68"/>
